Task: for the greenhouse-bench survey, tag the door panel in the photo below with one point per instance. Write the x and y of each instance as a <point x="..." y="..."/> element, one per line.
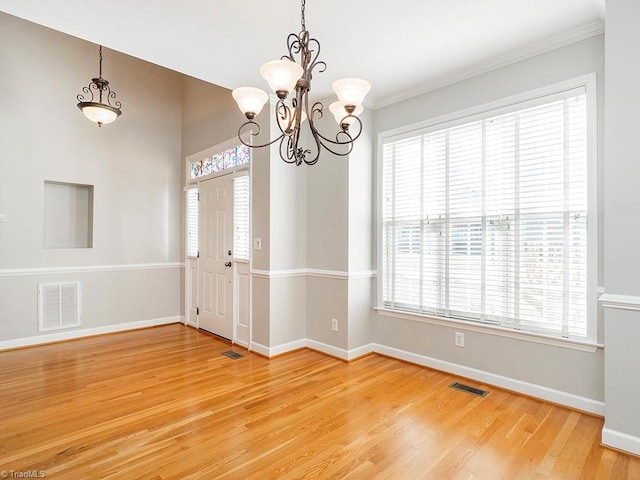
<point x="209" y="228"/>
<point x="208" y="301"/>
<point x="216" y="274"/>
<point x="221" y="295"/>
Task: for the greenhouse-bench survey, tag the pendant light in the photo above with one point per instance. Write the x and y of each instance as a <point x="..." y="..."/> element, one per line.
<point x="103" y="111"/>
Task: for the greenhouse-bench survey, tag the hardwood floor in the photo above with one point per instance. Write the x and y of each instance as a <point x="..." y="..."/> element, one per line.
<point x="164" y="403"/>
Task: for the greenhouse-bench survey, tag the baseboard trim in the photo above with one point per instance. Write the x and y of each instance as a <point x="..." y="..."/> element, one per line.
<point x="538" y="391"/>
<point x="86" y="332"/>
<point x="286" y="347"/>
<point x="330" y="350"/>
<point x="243" y="344"/>
<point x="271" y="352"/>
<point x="340" y="353"/>
<point x="260" y="349"/>
<point x="620" y="441"/>
<point x="362" y="351"/>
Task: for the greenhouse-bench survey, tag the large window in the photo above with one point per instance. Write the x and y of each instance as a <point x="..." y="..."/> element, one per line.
<point x="485" y="219"/>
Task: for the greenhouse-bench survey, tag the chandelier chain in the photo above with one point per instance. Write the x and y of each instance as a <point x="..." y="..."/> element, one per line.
<point x="100" y="74"/>
<point x="302" y="19"/>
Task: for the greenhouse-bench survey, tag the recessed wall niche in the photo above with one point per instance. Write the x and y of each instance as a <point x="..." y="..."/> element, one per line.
<point x="68" y="215"/>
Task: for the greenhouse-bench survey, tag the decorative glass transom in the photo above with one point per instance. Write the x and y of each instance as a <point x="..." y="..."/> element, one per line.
<point x="238" y="155"/>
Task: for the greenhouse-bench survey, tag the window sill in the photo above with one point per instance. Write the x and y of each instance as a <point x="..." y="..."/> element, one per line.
<point x="584" y="346"/>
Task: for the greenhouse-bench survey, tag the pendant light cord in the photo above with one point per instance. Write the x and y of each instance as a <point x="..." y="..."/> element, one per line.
<point x="302" y="20"/>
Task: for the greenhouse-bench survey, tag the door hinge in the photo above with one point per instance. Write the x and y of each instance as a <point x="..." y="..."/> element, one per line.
<point x="198" y="196"/>
<point x="198" y="255"/>
<point x="197" y="310"/>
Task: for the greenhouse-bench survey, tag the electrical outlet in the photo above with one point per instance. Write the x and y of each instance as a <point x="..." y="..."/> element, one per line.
<point x="459" y="339"/>
<point x="257" y="244"/>
<point x="334" y="324"/>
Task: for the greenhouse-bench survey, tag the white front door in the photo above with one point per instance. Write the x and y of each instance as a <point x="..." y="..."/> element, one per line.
<point x="215" y="282"/>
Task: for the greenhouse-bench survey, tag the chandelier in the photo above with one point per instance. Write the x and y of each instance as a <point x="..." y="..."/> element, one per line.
<point x="103" y="111"/>
<point x="288" y="76"/>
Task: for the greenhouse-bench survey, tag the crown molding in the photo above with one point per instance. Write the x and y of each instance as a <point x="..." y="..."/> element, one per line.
<point x="565" y="39"/>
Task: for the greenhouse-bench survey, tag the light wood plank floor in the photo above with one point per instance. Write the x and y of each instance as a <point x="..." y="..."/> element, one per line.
<point x="164" y="403"/>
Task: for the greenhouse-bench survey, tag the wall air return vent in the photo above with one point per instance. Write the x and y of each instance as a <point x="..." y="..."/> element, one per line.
<point x="58" y="305"/>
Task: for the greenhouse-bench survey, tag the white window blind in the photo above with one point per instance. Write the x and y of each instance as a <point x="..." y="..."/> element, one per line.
<point x="487" y="220"/>
<point x="192" y="222"/>
<point x="241" y="221"/>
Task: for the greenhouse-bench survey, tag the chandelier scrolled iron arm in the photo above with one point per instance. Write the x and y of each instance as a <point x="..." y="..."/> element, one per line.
<point x="303" y="53"/>
<point x="290" y="135"/>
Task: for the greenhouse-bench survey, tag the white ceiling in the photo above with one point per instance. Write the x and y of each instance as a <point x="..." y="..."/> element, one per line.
<point x="403" y="47"/>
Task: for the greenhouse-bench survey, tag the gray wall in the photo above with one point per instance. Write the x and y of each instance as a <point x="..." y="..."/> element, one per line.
<point x="209" y="117"/>
<point x="571" y="371"/>
<point x="621" y="227"/>
<point x="133" y="165"/>
<point x="287" y="243"/>
<point x="339" y="241"/>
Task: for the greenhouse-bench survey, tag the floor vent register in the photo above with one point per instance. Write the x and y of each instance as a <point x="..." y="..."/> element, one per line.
<point x="233" y="355"/>
<point x="467" y="388"/>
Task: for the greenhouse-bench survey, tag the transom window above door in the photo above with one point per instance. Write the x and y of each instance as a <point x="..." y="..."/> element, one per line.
<point x="232" y="157"/>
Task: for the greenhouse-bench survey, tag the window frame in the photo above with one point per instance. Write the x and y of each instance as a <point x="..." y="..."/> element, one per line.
<point x="509" y="104"/>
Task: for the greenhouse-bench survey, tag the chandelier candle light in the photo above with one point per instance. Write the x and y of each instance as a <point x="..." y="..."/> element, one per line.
<point x="100" y="112"/>
<point x="286" y="76"/>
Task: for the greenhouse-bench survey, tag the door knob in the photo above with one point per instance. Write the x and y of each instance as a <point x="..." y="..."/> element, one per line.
<point x="227" y="264"/>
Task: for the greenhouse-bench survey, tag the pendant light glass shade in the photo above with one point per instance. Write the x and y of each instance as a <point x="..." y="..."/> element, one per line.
<point x="281" y="75"/>
<point x="99" y="113"/>
<point x="250" y="100"/>
<point x="351" y="91"/>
